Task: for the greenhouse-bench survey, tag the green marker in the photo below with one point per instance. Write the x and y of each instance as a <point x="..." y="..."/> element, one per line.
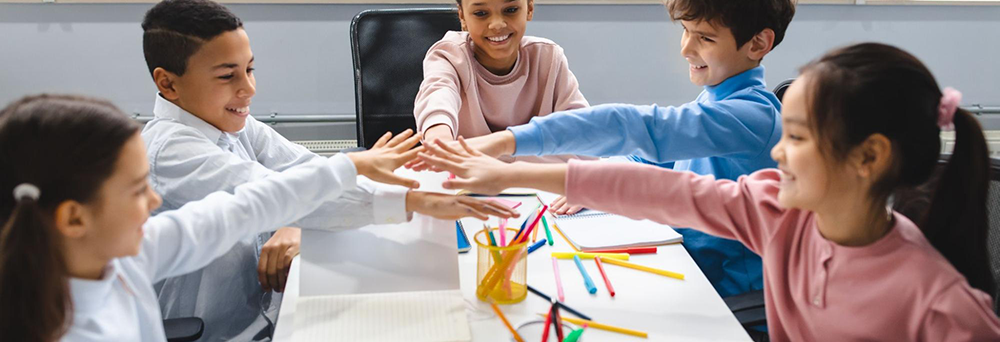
<point x="548" y="233"/>
<point x="575" y="335"/>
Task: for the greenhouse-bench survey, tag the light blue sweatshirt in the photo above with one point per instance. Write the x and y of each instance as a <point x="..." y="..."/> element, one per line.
<point x="728" y="131"/>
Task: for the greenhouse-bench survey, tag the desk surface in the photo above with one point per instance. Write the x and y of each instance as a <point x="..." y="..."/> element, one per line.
<point x="666" y="308"/>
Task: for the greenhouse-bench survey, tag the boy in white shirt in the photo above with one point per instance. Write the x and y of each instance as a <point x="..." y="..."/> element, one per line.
<point x="203" y="140"/>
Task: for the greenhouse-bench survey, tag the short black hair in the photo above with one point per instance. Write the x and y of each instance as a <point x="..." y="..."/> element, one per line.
<point x="744" y="18"/>
<point x="173" y="30"/>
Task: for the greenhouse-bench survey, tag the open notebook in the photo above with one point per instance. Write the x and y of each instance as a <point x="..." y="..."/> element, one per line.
<point x="591" y="230"/>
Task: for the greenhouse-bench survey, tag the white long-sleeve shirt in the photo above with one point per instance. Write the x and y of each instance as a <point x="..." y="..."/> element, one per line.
<point x="122" y="305"/>
<point x="189" y="159"/>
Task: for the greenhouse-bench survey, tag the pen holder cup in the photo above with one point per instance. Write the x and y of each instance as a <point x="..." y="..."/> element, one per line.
<point x="501" y="272"/>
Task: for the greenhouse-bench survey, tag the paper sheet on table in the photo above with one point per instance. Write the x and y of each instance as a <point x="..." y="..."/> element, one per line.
<point x="420" y="255"/>
<point x="390" y="317"/>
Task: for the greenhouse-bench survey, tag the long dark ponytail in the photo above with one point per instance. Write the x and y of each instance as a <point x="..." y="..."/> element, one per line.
<point x="872" y="88"/>
<point x="65" y="146"/>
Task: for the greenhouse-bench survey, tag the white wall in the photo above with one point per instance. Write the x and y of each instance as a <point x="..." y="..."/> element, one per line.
<point x="622" y="53"/>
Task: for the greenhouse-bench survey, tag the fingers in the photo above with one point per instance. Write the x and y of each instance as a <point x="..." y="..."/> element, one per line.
<point x="447" y="148"/>
<point x="472" y="211"/>
<point x="490" y="208"/>
<point x="272" y="269"/>
<point x="574" y="209"/>
<point x="262" y="271"/>
<point x="409" y="156"/>
<point x="470" y="150"/>
<point x="405" y="141"/>
<point x="436" y="150"/>
<point x="381" y="141"/>
<point x="392" y="178"/>
<point x="441" y="163"/>
<point x="557" y="204"/>
<point x="283" y="266"/>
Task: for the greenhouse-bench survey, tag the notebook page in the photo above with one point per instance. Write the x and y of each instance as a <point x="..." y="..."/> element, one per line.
<point x="427" y="316"/>
<point x="595" y="230"/>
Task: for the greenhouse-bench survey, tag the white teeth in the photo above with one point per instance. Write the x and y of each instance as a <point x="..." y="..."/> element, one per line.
<point x="498" y="39"/>
<point x="241" y="110"/>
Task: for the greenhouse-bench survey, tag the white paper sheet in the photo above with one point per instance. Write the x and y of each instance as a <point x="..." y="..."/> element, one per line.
<point x="389" y="317"/>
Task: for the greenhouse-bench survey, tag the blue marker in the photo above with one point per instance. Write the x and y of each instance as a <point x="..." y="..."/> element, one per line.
<point x="586" y="277"/>
<point x="535" y="246"/>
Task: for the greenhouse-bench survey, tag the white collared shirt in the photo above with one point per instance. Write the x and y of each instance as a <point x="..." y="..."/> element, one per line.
<point x="189" y="159"/>
<point x="122" y="305"/>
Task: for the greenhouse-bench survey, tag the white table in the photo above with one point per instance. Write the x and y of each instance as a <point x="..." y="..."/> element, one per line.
<point x="666" y="308"/>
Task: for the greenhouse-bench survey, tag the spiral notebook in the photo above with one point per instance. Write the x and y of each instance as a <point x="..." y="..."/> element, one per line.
<point x="591" y="230"/>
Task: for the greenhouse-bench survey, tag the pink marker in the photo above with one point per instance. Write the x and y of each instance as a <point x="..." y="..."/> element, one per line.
<point x="503" y="232"/>
<point x="559" y="289"/>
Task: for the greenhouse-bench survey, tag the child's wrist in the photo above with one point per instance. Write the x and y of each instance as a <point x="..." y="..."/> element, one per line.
<point x="413" y="201"/>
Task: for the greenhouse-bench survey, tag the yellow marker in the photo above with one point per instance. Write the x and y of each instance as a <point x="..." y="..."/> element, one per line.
<point x="611" y="328"/>
<point x="569" y="255"/>
<point x="643" y="268"/>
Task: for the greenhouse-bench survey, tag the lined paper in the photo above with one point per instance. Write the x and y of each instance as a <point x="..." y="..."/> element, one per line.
<point x="426" y="316"/>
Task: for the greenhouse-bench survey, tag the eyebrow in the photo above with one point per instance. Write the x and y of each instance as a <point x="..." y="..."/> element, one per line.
<point x="703" y="33"/>
<point x="484" y="4"/>
<point x="229" y="65"/>
<point x="795" y="121"/>
<point x="141" y="179"/>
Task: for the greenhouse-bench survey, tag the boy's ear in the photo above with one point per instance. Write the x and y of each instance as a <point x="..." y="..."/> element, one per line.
<point x="70" y="219"/>
<point x="873" y="157"/>
<point x="165" y="83"/>
<point x="761" y="44"/>
<point x="461" y="18"/>
<point x="531" y="9"/>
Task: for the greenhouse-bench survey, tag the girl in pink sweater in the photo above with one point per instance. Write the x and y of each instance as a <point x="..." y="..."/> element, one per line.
<point x="491" y="75"/>
<point x="859" y="124"/>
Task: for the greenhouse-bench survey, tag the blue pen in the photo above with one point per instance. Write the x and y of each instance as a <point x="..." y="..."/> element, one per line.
<point x="537" y="245"/>
<point x="586" y="277"/>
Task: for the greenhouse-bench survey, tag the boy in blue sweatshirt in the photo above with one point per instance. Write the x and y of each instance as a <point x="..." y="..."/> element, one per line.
<point x="727" y="131"/>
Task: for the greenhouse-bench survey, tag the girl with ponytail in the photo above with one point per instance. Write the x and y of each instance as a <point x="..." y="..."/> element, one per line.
<point x="79" y="253"/>
<point x="859" y="124"/>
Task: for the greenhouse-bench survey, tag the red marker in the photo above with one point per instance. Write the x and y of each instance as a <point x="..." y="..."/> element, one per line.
<point x="607" y="282"/>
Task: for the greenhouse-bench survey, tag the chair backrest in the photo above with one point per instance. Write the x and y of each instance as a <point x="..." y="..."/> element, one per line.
<point x="913" y="203"/>
<point x="779" y="90"/>
<point x="993" y="236"/>
<point x="388" y="48"/>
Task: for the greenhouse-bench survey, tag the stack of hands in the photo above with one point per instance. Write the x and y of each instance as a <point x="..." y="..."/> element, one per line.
<point x="378" y="164"/>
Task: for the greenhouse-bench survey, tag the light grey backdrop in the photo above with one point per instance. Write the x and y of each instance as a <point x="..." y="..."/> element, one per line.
<point x="620" y="53"/>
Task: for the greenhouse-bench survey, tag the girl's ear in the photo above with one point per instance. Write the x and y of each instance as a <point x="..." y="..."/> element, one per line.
<point x="531" y="9"/>
<point x="461" y="18"/>
<point x="873" y="157"/>
<point x="71" y="219"/>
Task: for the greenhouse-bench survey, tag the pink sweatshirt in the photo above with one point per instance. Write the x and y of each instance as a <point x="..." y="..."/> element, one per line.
<point x="459" y="92"/>
<point x="898" y="288"/>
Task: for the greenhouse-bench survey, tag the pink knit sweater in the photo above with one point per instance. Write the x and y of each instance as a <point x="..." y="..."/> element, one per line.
<point x="898" y="288"/>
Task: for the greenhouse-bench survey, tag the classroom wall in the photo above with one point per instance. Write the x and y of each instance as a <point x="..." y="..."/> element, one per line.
<point x="620" y="53"/>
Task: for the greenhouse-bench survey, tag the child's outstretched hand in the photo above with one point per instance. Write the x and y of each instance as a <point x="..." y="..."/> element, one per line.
<point x="476" y="171"/>
<point x="388" y="154"/>
<point x="494" y="145"/>
<point x="451" y="207"/>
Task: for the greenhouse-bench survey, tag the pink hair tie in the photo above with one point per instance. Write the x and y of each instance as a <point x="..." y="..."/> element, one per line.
<point x="950" y="98"/>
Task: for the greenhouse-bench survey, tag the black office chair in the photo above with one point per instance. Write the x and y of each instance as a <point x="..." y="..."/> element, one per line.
<point x="388" y="47"/>
<point x="993" y="236"/>
<point x="782" y="87"/>
<point x="912" y="203"/>
<point x="185" y="329"/>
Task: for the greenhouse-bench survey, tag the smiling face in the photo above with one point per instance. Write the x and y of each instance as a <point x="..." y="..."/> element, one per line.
<point x="712" y="53"/>
<point x="218" y="83"/>
<point x="496" y="28"/>
<point x="122" y="206"/>
<point x="808" y="178"/>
